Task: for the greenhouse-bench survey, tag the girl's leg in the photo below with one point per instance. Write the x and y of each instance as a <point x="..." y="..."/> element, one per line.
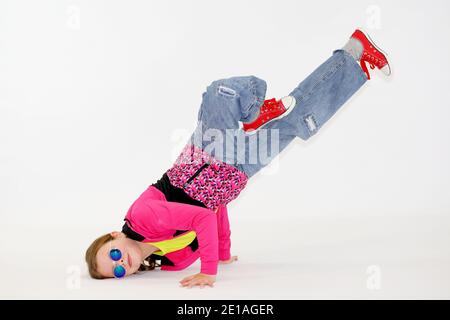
<point x="228" y="101"/>
<point x="225" y="103"/>
<point x="321" y="94"/>
<point x="318" y="97"/>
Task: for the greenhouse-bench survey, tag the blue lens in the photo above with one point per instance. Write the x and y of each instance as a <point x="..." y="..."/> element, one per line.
<point x="119" y="271"/>
<point x="115" y="254"/>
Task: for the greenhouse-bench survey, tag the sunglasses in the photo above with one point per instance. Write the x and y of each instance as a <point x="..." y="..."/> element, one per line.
<point x="119" y="270"/>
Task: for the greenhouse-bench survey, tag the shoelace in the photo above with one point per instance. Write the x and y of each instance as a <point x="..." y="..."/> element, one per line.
<point x="372" y="60"/>
<point x="268" y="105"/>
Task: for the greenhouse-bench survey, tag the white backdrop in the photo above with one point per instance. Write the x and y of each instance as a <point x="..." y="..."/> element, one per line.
<point x="98" y="97"/>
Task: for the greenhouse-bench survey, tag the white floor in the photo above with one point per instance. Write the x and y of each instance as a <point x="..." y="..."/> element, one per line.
<point x="364" y="258"/>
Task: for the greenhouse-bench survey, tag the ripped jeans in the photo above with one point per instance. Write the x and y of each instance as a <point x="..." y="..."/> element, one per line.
<point x="227" y="102"/>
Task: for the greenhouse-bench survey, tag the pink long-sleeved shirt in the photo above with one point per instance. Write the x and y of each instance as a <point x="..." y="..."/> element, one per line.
<point x="157" y="219"/>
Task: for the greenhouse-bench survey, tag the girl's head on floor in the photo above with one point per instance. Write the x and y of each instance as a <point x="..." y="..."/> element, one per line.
<point x="114" y="252"/>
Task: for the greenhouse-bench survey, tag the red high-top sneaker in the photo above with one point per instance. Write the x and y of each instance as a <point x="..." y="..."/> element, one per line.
<point x="371" y="54"/>
<point x="270" y="110"/>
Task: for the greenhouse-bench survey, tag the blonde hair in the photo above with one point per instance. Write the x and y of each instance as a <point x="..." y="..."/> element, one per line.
<point x="91" y="257"/>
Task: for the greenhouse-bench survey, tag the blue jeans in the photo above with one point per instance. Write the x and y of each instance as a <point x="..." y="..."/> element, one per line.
<point x="227" y="102"/>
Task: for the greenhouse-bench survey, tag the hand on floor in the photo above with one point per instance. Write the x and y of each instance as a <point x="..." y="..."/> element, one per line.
<point x="231" y="260"/>
<point x="199" y="279"/>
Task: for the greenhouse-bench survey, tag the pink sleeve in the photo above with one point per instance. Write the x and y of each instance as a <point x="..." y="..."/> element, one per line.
<point x="180" y="216"/>
<point x="224" y="233"/>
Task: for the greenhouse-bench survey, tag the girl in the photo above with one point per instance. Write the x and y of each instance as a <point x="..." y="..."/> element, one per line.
<point x="183" y="216"/>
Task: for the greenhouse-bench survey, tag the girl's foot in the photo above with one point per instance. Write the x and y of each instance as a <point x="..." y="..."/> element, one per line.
<point x="363" y="49"/>
<point x="270" y="110"/>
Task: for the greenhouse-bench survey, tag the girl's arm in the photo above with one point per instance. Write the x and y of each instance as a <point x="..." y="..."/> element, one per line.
<point x="178" y="216"/>
<point x="224" y="233"/>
